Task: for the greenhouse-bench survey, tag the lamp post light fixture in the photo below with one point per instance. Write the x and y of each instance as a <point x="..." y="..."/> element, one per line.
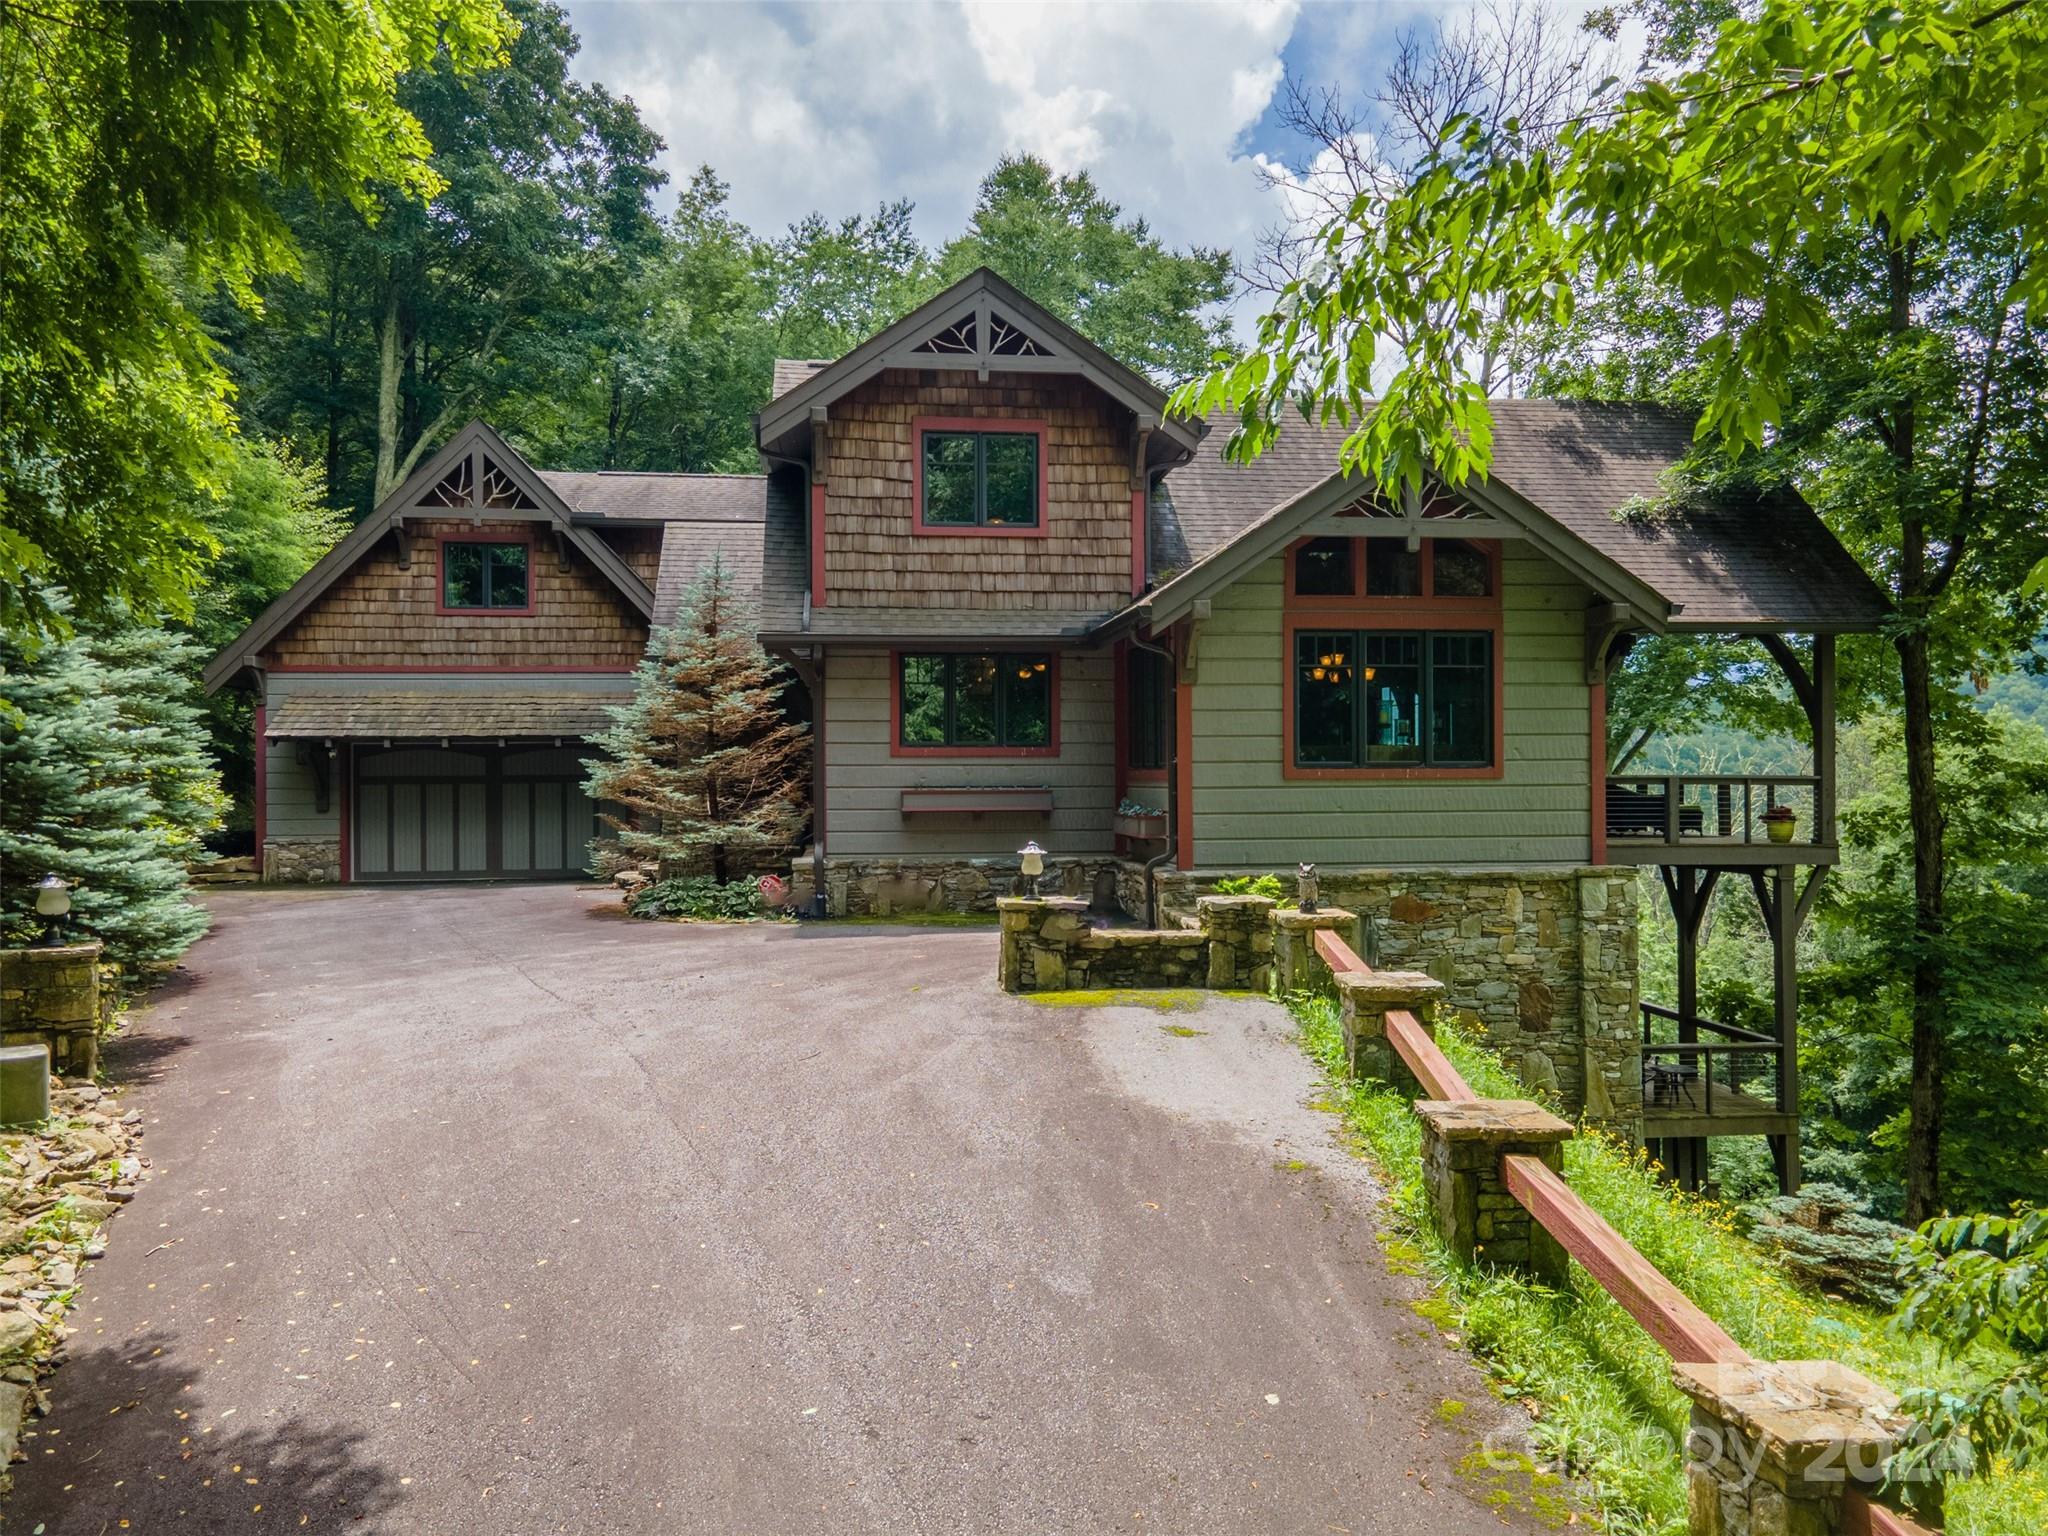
<point x="53" y="904"/>
<point x="1307" y="888"/>
<point x="1031" y="863"/>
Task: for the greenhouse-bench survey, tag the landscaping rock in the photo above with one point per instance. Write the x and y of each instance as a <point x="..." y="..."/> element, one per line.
<point x="58" y="1182"/>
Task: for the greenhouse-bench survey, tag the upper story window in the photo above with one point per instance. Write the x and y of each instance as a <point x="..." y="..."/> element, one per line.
<point x="1386" y="567"/>
<point x="476" y="574"/>
<point x="976" y="702"/>
<point x="970" y="478"/>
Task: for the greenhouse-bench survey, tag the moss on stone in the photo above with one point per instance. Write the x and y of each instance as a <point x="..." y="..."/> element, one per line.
<point x="1510" y="1480"/>
<point x="1162" y="1000"/>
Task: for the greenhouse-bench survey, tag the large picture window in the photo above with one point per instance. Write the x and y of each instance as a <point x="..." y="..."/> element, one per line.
<point x="1393" y="699"/>
<point x="979" y="479"/>
<point x="975" y="702"/>
<point x="475" y="574"/>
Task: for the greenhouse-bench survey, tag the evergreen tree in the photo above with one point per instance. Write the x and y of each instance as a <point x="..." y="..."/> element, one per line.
<point x="107" y="783"/>
<point x="704" y="756"/>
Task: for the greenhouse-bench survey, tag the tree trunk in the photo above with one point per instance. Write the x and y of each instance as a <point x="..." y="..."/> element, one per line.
<point x="1923" y="789"/>
<point x="1923" y="1136"/>
<point x="333" y="461"/>
<point x="390" y="372"/>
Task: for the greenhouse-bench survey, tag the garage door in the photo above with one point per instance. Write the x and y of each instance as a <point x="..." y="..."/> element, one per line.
<point x="481" y="813"/>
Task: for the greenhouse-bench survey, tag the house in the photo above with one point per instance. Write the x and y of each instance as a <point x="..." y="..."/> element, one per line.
<point x="1025" y="603"/>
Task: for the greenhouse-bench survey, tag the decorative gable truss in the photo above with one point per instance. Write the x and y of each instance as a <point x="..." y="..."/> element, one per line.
<point x="477" y="472"/>
<point x="984" y="336"/>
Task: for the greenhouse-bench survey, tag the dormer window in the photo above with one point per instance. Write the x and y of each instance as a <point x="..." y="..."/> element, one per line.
<point x="976" y="477"/>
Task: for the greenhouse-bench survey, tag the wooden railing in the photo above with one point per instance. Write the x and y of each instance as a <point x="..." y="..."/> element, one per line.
<point x="1680" y="808"/>
<point x="1678" y="1324"/>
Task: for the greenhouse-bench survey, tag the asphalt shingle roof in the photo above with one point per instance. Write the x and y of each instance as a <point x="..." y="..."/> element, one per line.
<point x="1726" y="561"/>
<point x="410" y="716"/>
<point x="792" y="371"/>
<point x="658" y="497"/>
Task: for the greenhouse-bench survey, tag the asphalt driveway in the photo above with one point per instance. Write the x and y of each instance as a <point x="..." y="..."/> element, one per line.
<point x="486" y="1210"/>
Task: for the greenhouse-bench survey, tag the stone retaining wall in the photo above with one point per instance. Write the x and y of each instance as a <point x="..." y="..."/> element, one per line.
<point x="1048" y="945"/>
<point x="1543" y="959"/>
<point x="52" y="997"/>
<point x="885" y="887"/>
<point x="301" y="860"/>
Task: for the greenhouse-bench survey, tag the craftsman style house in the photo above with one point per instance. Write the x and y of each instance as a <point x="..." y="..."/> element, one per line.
<point x="1026" y="604"/>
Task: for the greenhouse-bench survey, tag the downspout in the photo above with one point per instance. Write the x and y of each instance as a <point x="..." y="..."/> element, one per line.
<point x="1172" y="730"/>
<point x="1172" y="781"/>
<point x="811" y="673"/>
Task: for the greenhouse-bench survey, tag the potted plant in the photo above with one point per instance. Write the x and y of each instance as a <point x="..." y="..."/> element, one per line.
<point x="1779" y="822"/>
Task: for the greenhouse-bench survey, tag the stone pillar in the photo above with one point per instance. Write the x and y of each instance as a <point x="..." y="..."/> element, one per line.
<point x="1240" y="940"/>
<point x="1610" y="1020"/>
<point x="1775" y="1444"/>
<point x="1364" y="999"/>
<point x="1038" y="932"/>
<point x="52" y="997"/>
<point x="1296" y="965"/>
<point x="1462" y="1145"/>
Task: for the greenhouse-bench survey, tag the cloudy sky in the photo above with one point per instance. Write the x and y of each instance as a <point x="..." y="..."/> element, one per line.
<point x="838" y="106"/>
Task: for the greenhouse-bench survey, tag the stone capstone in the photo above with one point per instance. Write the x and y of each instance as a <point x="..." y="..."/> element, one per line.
<point x="1476" y="1215"/>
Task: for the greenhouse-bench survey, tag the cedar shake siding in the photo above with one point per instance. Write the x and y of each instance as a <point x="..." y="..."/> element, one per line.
<point x="864" y="781"/>
<point x="875" y="557"/>
<point x="380" y="614"/>
<point x="1247" y="812"/>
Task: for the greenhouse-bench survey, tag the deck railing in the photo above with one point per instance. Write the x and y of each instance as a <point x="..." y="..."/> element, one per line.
<point x="1679" y="1325"/>
<point x="1683" y="808"/>
<point x="1684" y="1074"/>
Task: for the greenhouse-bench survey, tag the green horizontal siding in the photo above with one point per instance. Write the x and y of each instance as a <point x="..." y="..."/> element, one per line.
<point x="1247" y="813"/>
<point x="864" y="783"/>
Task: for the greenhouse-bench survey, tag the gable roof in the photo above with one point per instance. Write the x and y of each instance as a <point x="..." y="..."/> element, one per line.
<point x="954" y="330"/>
<point x="636" y="496"/>
<point x="520" y="492"/>
<point x="1563" y="472"/>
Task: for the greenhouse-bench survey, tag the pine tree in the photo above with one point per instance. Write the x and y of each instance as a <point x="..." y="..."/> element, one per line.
<point x="105" y="780"/>
<point x="704" y="756"/>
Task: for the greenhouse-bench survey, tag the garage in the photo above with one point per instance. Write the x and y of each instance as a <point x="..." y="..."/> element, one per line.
<point x="475" y="784"/>
<point x="470" y="812"/>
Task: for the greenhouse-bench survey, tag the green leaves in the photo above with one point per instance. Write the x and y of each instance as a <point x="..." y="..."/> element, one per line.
<point x="146" y="145"/>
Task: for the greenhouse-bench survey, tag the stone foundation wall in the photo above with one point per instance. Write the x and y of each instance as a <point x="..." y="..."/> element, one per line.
<point x="1048" y="945"/>
<point x="301" y="860"/>
<point x="1543" y="959"/>
<point x="884" y="887"/>
<point x="52" y="997"/>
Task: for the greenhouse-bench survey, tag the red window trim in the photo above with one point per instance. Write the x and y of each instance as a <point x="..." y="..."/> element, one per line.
<point x="1472" y="614"/>
<point x="441" y="543"/>
<point x="1020" y="425"/>
<point x="1356" y="597"/>
<point x="898" y="749"/>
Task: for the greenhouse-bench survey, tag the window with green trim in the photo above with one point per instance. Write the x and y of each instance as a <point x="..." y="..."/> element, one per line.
<point x="961" y="699"/>
<point x="1393" y="699"/>
<point x="980" y="479"/>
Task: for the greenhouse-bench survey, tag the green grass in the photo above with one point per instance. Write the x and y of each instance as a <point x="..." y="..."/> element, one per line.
<point x="925" y="920"/>
<point x="1605" y="1412"/>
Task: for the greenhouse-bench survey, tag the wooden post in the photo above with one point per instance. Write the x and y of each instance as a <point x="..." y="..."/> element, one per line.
<point x="1824" y="739"/>
<point x="1785" y="984"/>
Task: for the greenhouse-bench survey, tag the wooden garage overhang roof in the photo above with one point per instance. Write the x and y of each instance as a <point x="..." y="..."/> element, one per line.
<point x="476" y="474"/>
<point x="410" y="715"/>
<point x="980" y="325"/>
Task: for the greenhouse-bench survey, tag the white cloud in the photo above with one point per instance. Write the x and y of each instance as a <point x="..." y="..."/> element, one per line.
<point x="838" y="107"/>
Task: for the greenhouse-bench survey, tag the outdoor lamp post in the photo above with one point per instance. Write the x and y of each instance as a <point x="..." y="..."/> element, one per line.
<point x="53" y="902"/>
<point x="1031" y="863"/>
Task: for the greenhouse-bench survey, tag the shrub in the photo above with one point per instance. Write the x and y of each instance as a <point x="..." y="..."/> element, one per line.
<point x="701" y="897"/>
<point x="1252" y="885"/>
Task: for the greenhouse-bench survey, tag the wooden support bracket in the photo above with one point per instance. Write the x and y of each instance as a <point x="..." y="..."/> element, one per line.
<point x="1198" y="615"/>
<point x="1605" y="623"/>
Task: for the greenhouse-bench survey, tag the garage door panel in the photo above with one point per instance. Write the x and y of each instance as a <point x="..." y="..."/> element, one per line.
<point x="425" y="813"/>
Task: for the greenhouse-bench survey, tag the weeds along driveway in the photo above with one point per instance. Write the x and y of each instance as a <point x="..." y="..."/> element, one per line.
<point x="486" y="1210"/>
